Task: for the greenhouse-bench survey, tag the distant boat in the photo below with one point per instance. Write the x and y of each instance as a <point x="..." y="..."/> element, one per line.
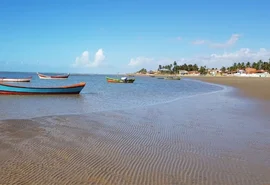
<point x="172" y="78"/>
<point x="121" y="80"/>
<point x="7" y="89"/>
<point x="54" y="77"/>
<point x="15" y="79"/>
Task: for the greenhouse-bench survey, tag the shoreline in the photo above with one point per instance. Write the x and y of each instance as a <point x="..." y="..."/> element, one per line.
<point x="250" y="87"/>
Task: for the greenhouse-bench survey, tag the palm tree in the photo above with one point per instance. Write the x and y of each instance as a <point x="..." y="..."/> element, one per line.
<point x="195" y="67"/>
<point x="234" y="66"/>
<point x="223" y="69"/>
<point x="248" y="64"/>
<point x="255" y="65"/>
<point x="175" y="66"/>
<point x="242" y="65"/>
<point x="203" y="70"/>
<point x="190" y="67"/>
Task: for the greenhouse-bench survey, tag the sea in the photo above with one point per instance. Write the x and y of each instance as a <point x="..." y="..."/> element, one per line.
<point x="97" y="95"/>
<point x="153" y="131"/>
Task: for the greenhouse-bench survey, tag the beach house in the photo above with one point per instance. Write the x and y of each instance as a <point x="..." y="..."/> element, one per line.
<point x="183" y="72"/>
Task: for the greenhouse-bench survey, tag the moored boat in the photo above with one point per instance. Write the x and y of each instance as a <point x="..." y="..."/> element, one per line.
<point x="172" y="78"/>
<point x="121" y="80"/>
<point x="8" y="89"/>
<point x="53" y="77"/>
<point x="4" y="79"/>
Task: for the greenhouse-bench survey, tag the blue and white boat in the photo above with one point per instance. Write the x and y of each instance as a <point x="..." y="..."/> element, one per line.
<point x="7" y="89"/>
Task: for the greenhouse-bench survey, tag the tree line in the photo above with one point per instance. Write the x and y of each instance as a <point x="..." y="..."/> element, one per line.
<point x="174" y="68"/>
<point x="260" y="65"/>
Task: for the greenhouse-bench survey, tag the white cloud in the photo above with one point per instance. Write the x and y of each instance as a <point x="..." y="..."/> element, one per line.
<point x="199" y="42"/>
<point x="212" y="60"/>
<point x="230" y="42"/>
<point x="140" y="61"/>
<point x="179" y="38"/>
<point x="233" y="39"/>
<point x="84" y="60"/>
<point x="227" y="59"/>
<point x="99" y="58"/>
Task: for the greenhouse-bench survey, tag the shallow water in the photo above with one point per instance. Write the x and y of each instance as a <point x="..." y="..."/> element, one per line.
<point x="207" y="139"/>
<point x="97" y="95"/>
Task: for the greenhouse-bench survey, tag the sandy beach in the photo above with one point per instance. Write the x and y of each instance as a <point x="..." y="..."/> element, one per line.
<point x="204" y="140"/>
<point x="255" y="88"/>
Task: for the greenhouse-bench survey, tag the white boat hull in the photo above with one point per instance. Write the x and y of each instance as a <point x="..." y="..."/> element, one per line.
<point x="49" y="78"/>
<point x="57" y="77"/>
<point x="14" y="80"/>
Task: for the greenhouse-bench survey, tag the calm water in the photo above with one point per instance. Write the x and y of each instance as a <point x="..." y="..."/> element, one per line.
<point x="97" y="95"/>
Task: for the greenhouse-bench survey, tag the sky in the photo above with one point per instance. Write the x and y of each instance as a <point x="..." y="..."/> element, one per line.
<point x="105" y="37"/>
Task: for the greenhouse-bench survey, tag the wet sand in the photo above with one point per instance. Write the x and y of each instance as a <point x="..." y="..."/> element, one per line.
<point x="258" y="88"/>
<point x="204" y="140"/>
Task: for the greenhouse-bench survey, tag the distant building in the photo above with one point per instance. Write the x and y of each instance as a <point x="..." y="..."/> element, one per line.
<point x="165" y="70"/>
<point x="193" y="72"/>
<point x="241" y="71"/>
<point x="250" y="70"/>
<point x="214" y="72"/>
<point x="183" y="72"/>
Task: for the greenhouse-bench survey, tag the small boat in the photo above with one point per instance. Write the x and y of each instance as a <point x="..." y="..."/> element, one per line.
<point x="54" y="77"/>
<point x="7" y="89"/>
<point x="172" y="78"/>
<point x="121" y="80"/>
<point x="160" y="77"/>
<point x="15" y="79"/>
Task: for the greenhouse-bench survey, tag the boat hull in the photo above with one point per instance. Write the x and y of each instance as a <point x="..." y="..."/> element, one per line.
<point x="15" y="79"/>
<point x="113" y="80"/>
<point x="6" y="89"/>
<point x="172" y="78"/>
<point x="55" y="77"/>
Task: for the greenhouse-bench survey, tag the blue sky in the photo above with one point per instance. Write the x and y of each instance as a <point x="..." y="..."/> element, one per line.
<point x="124" y="36"/>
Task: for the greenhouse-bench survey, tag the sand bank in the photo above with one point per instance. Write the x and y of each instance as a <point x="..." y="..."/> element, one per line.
<point x="205" y="140"/>
<point x="258" y="88"/>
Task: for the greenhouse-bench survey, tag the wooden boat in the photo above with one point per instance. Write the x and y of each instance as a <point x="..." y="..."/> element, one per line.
<point x="121" y="80"/>
<point x="172" y="78"/>
<point x="15" y="79"/>
<point x="8" y="89"/>
<point x="54" y="77"/>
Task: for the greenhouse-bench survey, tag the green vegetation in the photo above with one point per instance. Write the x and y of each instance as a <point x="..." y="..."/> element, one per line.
<point x="142" y="71"/>
<point x="257" y="65"/>
<point x="203" y="70"/>
<point x="174" y="68"/>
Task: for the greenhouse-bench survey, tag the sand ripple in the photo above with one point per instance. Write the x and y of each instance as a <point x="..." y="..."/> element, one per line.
<point x="120" y="148"/>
